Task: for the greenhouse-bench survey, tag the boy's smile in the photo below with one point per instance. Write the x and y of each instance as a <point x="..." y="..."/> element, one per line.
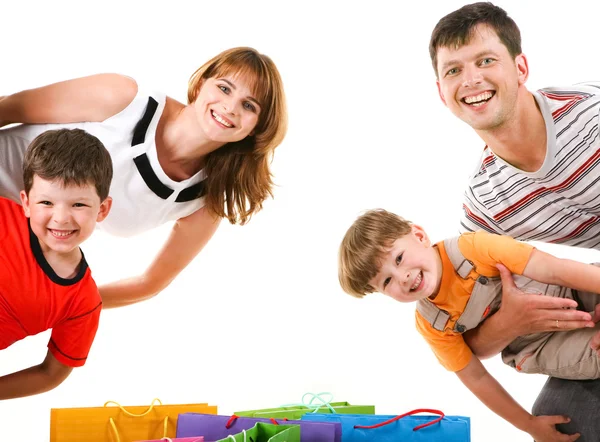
<point x="411" y="269"/>
<point x="62" y="217"/>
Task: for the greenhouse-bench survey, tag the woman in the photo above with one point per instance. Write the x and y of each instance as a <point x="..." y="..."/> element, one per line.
<point x="192" y="164"/>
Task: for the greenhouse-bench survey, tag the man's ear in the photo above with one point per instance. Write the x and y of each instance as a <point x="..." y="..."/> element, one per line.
<point x="25" y="203"/>
<point x="437" y="82"/>
<point x="104" y="209"/>
<point x="522" y="68"/>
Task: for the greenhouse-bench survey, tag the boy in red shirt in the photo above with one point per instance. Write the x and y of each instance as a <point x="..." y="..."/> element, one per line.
<point x="45" y="282"/>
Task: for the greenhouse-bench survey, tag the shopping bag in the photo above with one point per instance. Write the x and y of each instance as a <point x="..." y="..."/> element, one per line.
<point x="262" y="432"/>
<point x="177" y="439"/>
<point x="214" y="427"/>
<point x="405" y="427"/>
<point x="119" y="424"/>
<point x="318" y="403"/>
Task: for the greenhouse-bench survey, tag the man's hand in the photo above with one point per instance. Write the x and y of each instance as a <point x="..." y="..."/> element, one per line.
<point x="543" y="429"/>
<point x="521" y="314"/>
<point x="532" y="313"/>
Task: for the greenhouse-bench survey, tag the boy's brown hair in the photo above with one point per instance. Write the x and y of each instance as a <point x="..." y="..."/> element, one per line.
<point x="455" y="29"/>
<point x="72" y="156"/>
<point x="363" y="246"/>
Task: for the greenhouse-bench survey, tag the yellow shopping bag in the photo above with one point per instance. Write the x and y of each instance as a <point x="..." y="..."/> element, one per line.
<point x="114" y="423"/>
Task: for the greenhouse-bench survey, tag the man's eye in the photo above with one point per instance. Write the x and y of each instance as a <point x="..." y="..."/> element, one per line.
<point x="45" y="203"/>
<point x="79" y="205"/>
<point x="452" y="71"/>
<point x="386" y="282"/>
<point x="399" y="258"/>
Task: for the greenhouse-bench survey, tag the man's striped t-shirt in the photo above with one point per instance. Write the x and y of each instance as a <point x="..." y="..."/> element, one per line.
<point x="560" y="202"/>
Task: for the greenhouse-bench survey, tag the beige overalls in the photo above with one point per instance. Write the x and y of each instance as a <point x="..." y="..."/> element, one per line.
<point x="564" y="355"/>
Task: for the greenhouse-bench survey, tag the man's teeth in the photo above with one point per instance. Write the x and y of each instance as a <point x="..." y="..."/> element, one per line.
<point x="417" y="281"/>
<point x="478" y="100"/>
<point x="220" y="120"/>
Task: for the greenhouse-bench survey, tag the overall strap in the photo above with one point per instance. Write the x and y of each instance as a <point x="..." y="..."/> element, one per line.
<point x="437" y="317"/>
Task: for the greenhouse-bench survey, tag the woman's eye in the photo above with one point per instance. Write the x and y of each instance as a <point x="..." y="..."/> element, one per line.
<point x="79" y="205"/>
<point x="45" y="203"/>
<point x="249" y="106"/>
<point x="224" y="89"/>
<point x="399" y="258"/>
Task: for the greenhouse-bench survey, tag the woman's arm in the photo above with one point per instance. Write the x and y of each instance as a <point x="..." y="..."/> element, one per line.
<point x="34" y="380"/>
<point x="520" y="314"/>
<point x="93" y="98"/>
<point x="543" y="428"/>
<point x="188" y="237"/>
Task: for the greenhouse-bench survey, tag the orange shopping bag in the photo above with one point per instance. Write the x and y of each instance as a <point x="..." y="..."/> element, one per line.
<point x="114" y="423"/>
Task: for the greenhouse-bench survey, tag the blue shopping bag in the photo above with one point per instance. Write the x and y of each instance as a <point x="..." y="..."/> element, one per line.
<point x="405" y="427"/>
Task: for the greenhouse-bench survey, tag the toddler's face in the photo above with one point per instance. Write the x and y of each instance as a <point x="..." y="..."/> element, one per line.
<point x="411" y="269"/>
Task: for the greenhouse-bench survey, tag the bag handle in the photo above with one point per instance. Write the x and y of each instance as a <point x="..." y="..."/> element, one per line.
<point x="235" y="417"/>
<point x="400" y="416"/>
<point x="314" y="397"/>
<point x="233" y="438"/>
<point x="114" y="427"/>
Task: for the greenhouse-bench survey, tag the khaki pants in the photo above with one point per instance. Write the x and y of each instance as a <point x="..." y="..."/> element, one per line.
<point x="565" y="355"/>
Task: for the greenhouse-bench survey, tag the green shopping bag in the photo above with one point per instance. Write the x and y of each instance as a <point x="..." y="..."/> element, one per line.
<point x="316" y="404"/>
<point x="263" y="432"/>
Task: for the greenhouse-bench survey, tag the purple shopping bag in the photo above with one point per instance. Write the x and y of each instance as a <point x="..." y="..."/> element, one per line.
<point x="215" y="427"/>
<point x="177" y="439"/>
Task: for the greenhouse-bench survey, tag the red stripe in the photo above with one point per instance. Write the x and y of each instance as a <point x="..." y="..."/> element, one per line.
<point x="579" y="228"/>
<point x="541" y="190"/>
<point x="562" y="97"/>
<point x="558" y="112"/>
<point x="473" y="216"/>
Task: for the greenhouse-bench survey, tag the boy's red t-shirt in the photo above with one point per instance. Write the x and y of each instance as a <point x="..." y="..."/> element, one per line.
<point x="33" y="298"/>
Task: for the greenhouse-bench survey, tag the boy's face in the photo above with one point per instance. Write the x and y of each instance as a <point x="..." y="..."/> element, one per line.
<point x="411" y="269"/>
<point x="479" y="81"/>
<point x="62" y="217"/>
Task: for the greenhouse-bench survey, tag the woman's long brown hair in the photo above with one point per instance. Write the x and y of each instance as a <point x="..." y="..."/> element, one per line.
<point x="238" y="175"/>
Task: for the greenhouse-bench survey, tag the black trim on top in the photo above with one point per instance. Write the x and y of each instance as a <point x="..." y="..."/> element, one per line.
<point x="142" y="163"/>
<point x="191" y="193"/>
<point x="139" y="133"/>
<point x="47" y="268"/>
<point x="152" y="181"/>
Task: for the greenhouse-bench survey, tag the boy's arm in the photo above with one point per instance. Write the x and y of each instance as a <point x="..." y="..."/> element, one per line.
<point x="549" y="269"/>
<point x="34" y="380"/>
<point x="520" y="314"/>
<point x="477" y="379"/>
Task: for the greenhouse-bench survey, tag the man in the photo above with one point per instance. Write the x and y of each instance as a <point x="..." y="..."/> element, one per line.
<point x="539" y="173"/>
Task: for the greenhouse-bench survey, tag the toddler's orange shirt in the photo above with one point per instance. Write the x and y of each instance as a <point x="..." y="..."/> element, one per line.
<point x="484" y="250"/>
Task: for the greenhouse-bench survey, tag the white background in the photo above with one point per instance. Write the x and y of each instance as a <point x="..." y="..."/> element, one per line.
<point x="258" y="318"/>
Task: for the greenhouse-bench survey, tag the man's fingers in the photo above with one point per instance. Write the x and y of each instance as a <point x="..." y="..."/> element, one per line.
<point x="551" y="302"/>
<point x="557" y="324"/>
<point x="595" y="342"/>
<point x="506" y="277"/>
